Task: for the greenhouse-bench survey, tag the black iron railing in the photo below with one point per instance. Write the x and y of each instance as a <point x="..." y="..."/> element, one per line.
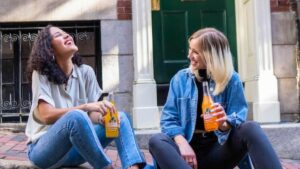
<point x="16" y="41"/>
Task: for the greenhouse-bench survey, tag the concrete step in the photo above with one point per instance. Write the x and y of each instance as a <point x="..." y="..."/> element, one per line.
<point x="285" y="138"/>
<point x="15" y="164"/>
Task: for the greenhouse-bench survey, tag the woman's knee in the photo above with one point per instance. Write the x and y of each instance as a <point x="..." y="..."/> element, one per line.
<point x="251" y="129"/>
<point x="77" y="115"/>
<point x="157" y="140"/>
<point x="250" y="125"/>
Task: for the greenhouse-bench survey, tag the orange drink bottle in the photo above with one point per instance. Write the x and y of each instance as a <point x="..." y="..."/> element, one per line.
<point x="210" y="123"/>
<point x="111" y="122"/>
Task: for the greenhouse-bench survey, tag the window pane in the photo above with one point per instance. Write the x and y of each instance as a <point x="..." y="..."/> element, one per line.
<point x="8" y="71"/>
<point x="24" y="73"/>
<point x="86" y="44"/>
<point x="25" y="49"/>
<point x="10" y="103"/>
<point x="89" y="61"/>
<point x="7" y="50"/>
<point x="9" y="42"/>
<point x="26" y="98"/>
<point x="28" y="38"/>
<point x="86" y="47"/>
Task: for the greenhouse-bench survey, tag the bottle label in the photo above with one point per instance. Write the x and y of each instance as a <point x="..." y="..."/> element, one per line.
<point x="207" y="111"/>
<point x="112" y="122"/>
<point x="112" y="125"/>
<point x="207" y="116"/>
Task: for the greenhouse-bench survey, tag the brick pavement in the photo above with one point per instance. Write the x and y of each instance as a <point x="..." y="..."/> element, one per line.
<point x="13" y="147"/>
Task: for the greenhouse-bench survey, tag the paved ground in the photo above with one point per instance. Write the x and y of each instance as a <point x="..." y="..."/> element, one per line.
<point x="13" y="153"/>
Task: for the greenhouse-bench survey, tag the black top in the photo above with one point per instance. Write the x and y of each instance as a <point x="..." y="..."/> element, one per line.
<point x="199" y="119"/>
<point x="196" y="142"/>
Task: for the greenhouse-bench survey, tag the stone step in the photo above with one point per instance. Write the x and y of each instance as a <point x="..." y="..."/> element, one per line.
<point x="285" y="138"/>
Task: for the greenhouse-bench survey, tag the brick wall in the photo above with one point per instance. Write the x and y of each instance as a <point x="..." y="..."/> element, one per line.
<point x="124" y="9"/>
<point x="125" y="12"/>
<point x="280" y="5"/>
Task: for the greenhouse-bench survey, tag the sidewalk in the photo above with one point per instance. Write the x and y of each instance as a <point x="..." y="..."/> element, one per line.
<point x="13" y="153"/>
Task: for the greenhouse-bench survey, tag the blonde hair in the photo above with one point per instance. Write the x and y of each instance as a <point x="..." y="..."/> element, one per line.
<point x="217" y="56"/>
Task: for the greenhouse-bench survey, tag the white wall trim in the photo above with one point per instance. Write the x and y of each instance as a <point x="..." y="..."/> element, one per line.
<point x="255" y="59"/>
<point x="145" y="110"/>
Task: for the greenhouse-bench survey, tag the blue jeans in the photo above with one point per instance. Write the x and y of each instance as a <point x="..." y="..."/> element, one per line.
<point x="73" y="140"/>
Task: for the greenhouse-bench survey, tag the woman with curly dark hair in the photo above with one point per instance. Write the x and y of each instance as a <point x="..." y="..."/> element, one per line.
<point x="42" y="59"/>
<point x="65" y="121"/>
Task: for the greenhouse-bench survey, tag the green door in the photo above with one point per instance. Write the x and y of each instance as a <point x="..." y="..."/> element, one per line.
<point x="174" y="22"/>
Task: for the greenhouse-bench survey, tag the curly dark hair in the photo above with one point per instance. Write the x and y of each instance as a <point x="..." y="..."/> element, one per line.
<point x="41" y="59"/>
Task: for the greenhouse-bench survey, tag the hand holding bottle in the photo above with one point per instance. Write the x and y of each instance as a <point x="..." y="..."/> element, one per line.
<point x="111" y="121"/>
<point x="219" y="112"/>
<point x="100" y="106"/>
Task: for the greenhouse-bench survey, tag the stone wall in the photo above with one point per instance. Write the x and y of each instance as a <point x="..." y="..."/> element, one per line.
<point x="117" y="61"/>
<point x="285" y="54"/>
<point x="116" y="34"/>
<point x="57" y="10"/>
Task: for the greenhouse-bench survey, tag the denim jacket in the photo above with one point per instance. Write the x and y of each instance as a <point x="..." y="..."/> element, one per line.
<point x="180" y="110"/>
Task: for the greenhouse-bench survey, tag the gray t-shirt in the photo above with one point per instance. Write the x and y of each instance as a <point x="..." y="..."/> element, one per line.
<point x="82" y="87"/>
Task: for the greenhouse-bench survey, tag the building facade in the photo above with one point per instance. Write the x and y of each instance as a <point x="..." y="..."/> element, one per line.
<point x="119" y="38"/>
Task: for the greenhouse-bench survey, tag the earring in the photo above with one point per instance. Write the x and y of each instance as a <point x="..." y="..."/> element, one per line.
<point x="53" y="58"/>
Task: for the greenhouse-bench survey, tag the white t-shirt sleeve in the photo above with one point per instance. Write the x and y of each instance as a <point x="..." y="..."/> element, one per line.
<point x="93" y="90"/>
<point x="41" y="90"/>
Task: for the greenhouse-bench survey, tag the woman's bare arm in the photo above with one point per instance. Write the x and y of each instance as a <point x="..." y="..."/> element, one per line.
<point x="48" y="114"/>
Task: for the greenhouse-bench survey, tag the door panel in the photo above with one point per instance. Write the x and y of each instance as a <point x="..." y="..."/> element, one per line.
<point x="172" y="49"/>
<point x="216" y="19"/>
<point x="173" y="42"/>
<point x="176" y="21"/>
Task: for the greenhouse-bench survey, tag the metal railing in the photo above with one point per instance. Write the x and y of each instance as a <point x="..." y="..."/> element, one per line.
<point x="16" y="41"/>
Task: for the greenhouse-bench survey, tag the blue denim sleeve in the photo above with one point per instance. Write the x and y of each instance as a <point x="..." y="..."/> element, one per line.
<point x="222" y="136"/>
<point x="236" y="108"/>
<point x="170" y="120"/>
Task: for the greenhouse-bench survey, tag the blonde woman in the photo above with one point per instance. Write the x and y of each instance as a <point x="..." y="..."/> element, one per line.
<point x="183" y="142"/>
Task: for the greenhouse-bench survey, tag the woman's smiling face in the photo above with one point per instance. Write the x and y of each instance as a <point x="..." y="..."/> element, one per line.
<point x="62" y="43"/>
<point x="195" y="55"/>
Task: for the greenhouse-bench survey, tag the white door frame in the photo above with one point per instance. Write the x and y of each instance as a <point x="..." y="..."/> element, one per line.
<point x="255" y="62"/>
